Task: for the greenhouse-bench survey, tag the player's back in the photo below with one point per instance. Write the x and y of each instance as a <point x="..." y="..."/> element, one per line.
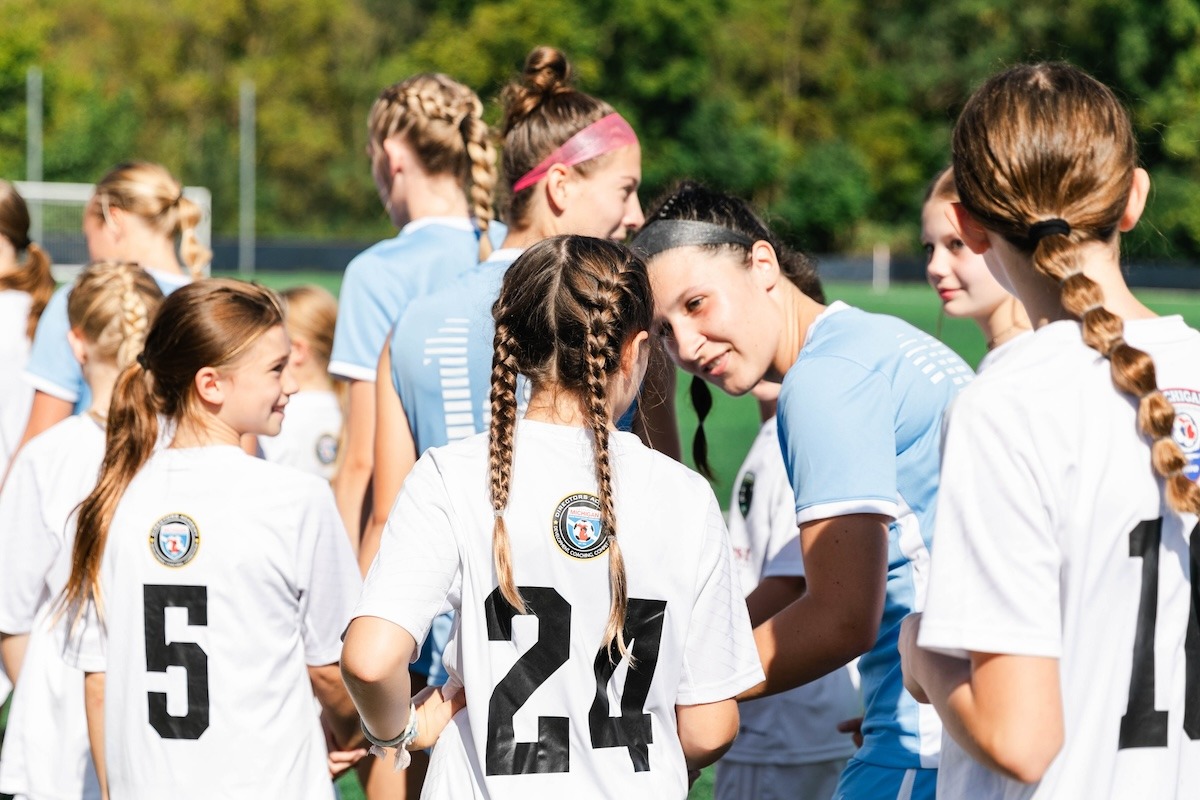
<point x="224" y="577"/>
<point x="549" y="712"/>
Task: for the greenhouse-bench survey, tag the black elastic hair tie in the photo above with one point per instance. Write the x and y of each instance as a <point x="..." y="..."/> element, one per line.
<point x="141" y="360"/>
<point x="667" y="234"/>
<point x="1047" y="227"/>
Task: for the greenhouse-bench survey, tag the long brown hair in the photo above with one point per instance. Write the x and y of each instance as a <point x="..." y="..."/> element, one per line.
<point x="1046" y="142"/>
<point x="33" y="277"/>
<point x="442" y="121"/>
<point x="209" y="323"/>
<point x="567" y="307"/>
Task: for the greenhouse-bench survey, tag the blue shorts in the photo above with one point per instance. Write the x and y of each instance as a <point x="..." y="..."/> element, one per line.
<point x="863" y="781"/>
<point x="430" y="661"/>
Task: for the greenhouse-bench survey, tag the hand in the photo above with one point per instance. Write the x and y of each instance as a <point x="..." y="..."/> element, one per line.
<point x="436" y="706"/>
<point x="854" y="728"/>
<point x="337" y="760"/>
<point x="911" y="656"/>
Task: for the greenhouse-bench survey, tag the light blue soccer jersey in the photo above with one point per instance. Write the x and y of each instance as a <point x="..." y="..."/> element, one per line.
<point x="52" y="367"/>
<point x="860" y="417"/>
<point x="380" y="283"/>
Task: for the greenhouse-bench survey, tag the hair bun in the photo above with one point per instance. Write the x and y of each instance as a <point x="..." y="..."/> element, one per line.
<point x="547" y="73"/>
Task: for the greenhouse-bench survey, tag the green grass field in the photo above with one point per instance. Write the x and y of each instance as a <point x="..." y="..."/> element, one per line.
<point x="733" y="422"/>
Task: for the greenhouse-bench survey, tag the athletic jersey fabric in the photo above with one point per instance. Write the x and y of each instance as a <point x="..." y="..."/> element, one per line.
<point x="1054" y="541"/>
<point x="543" y="695"/>
<point x="384" y="279"/>
<point x="52" y="367"/>
<point x="46" y="751"/>
<point x="999" y="352"/>
<point x="308" y="440"/>
<point x="860" y="416"/>
<point x="798" y="726"/>
<point x="224" y="577"/>
<point x="16" y="396"/>
<point x="442" y="356"/>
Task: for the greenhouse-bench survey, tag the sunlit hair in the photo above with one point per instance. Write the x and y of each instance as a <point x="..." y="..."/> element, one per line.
<point x="1048" y="141"/>
<point x="695" y="202"/>
<point x="33" y="273"/>
<point x="111" y="305"/>
<point x="311" y="315"/>
<point x="209" y="323"/>
<point x="442" y="122"/>
<point x="942" y="188"/>
<point x="567" y="307"/>
<point x="541" y="112"/>
<point x="149" y="191"/>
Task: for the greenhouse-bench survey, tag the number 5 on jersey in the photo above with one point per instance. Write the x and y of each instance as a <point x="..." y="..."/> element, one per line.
<point x="160" y="655"/>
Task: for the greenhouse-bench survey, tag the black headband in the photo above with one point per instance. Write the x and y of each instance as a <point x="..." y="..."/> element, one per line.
<point x="1047" y="227"/>
<point x="667" y="234"/>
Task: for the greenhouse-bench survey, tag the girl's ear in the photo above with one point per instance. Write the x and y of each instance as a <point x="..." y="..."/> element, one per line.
<point x="557" y="187"/>
<point x="301" y="352"/>
<point x="973" y="235"/>
<point x="78" y="345"/>
<point x="634" y="354"/>
<point x="396" y="155"/>
<point x="1138" y="194"/>
<point x="208" y="386"/>
<point x="764" y="262"/>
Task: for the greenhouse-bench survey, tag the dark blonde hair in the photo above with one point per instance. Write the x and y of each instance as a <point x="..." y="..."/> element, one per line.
<point x="1049" y="142"/>
<point x="567" y="307"/>
<point x="942" y="188"/>
<point x="311" y="312"/>
<point x="541" y="112"/>
<point x="442" y="121"/>
<point x="111" y="305"/>
<point x="209" y="323"/>
<point x="33" y="277"/>
<point x="694" y="202"/>
<point x="151" y="192"/>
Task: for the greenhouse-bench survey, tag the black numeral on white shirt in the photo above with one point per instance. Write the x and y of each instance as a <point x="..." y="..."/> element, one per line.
<point x="1143" y="725"/>
<point x="160" y="654"/>
<point x="551" y="752"/>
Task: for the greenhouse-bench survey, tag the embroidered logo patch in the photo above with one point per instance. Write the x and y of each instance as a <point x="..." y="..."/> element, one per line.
<point x="576" y="527"/>
<point x="746" y="493"/>
<point x="1187" y="427"/>
<point x="174" y="540"/>
<point x="327" y="449"/>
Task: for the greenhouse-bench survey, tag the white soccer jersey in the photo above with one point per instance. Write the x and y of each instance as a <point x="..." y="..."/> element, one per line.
<point x="798" y="726"/>
<point x="16" y="394"/>
<point x="1054" y="540"/>
<point x="308" y="440"/>
<point x="548" y="714"/>
<point x="46" y="751"/>
<point x="223" y="579"/>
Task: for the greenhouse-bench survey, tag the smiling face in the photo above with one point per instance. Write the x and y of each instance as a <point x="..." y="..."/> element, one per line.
<point x="960" y="277"/>
<point x="604" y="203"/>
<point x="257" y="385"/>
<point x="714" y="316"/>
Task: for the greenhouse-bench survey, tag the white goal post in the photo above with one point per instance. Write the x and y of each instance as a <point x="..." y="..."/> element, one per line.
<point x="56" y="220"/>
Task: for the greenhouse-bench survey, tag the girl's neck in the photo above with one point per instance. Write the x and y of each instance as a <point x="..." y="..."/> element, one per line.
<point x="155" y="253"/>
<point x="558" y="408"/>
<point x="1005" y="322"/>
<point x="799" y="313"/>
<point x="204" y="430"/>
<point x="100" y="379"/>
<point x="435" y="196"/>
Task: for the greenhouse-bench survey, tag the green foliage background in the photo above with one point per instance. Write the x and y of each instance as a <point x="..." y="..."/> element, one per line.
<point x="833" y="114"/>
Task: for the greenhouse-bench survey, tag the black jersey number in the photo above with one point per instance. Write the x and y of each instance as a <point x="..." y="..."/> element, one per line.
<point x="551" y="751"/>
<point x="160" y="654"/>
<point x="1143" y="725"/>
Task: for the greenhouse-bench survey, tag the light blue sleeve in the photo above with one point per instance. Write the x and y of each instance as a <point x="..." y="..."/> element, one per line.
<point x="364" y="319"/>
<point x="837" y="433"/>
<point x="52" y="367"/>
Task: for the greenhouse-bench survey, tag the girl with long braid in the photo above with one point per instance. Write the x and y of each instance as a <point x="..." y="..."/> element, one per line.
<point x="46" y="746"/>
<point x="601" y="636"/>
<point x="1059" y="642"/>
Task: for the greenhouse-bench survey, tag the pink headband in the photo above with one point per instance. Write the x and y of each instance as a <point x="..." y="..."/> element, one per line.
<point x="604" y="135"/>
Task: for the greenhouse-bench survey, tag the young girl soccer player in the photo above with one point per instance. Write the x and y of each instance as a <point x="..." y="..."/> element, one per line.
<point x="25" y="287"/>
<point x="427" y="144"/>
<point x="859" y="425"/>
<point x="135" y="214"/>
<point x="961" y="277"/>
<point x="222" y="581"/>
<point x="605" y="666"/>
<point x="1059" y="640"/>
<point x="312" y="427"/>
<point x="46" y="746"/>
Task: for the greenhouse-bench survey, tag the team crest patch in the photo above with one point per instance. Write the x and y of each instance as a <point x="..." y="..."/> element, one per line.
<point x="577" y="528"/>
<point x="174" y="540"/>
<point x="327" y="449"/>
<point x="1187" y="427"/>
<point x="746" y="493"/>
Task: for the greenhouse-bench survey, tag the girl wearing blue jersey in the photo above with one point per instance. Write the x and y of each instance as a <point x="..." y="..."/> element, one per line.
<point x="859" y="424"/>
<point x="1059" y="640"/>
<point x="135" y="215"/>
<point x="434" y="168"/>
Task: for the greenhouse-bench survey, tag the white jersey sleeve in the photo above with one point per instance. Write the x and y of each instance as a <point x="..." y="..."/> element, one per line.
<point x="327" y="596"/>
<point x="27" y="548"/>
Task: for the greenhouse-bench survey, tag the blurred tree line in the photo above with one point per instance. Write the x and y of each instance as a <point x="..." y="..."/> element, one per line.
<point x="831" y="114"/>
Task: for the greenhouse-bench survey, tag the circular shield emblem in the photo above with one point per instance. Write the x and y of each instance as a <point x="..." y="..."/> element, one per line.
<point x="174" y="540"/>
<point x="1186" y="430"/>
<point x="327" y="449"/>
<point x="577" y="529"/>
<point x="746" y="493"/>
